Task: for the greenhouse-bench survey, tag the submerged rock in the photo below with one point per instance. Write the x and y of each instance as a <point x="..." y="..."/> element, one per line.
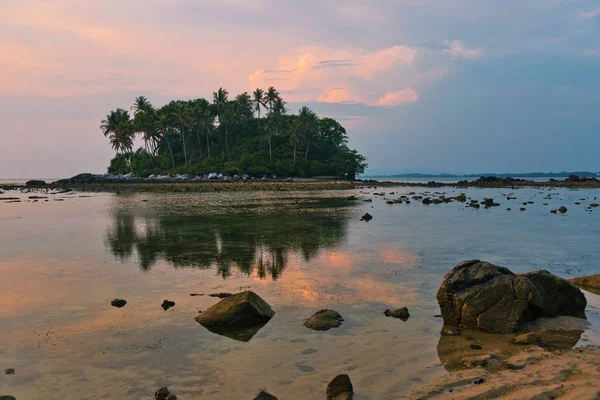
<point x="367" y="217"/>
<point x="324" y="320"/>
<point x="238" y="317"/>
<point x="340" y="388"/>
<point x="167" y="304"/>
<point x="529" y="339"/>
<point x="401" y="313"/>
<point x="265" y="396"/>
<point x="220" y="295"/>
<point x="118" y="303"/>
<point x="479" y="295"/>
<point x="164" y="394"/>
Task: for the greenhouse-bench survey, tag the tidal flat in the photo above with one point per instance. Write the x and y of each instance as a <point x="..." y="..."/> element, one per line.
<point x="67" y="256"/>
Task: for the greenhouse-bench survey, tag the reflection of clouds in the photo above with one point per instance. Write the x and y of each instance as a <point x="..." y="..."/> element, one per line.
<point x="398" y="256"/>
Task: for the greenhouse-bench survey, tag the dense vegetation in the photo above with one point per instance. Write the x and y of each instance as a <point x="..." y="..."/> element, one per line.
<point x="253" y="135"/>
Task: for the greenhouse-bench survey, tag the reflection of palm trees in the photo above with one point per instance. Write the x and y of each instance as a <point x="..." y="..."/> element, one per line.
<point x="252" y="242"/>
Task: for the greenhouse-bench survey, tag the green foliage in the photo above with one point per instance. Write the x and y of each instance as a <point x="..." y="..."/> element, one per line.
<point x="229" y="136"/>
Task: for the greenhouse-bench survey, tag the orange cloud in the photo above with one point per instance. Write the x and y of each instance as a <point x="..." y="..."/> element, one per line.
<point x="337" y="95"/>
<point x="399" y="97"/>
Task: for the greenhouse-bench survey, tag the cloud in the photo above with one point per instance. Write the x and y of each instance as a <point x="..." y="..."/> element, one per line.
<point x="399" y="97"/>
<point x="337" y="95"/>
<point x="590" y="14"/>
<point x="458" y="49"/>
<point x="591" y="52"/>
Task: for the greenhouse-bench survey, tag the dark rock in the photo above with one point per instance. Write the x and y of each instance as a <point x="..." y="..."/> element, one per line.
<point x="265" y="396"/>
<point x="220" y="295"/>
<point x="489" y="203"/>
<point x="349" y="198"/>
<point x="340" y="388"/>
<point x="562" y="209"/>
<point x="389" y="202"/>
<point x="401" y="313"/>
<point x="475" y="347"/>
<point x="9" y="371"/>
<point x="7" y="397"/>
<point x="324" y="320"/>
<point x="552" y="211"/>
<point x="477" y="361"/>
<point x="479" y="295"/>
<point x="367" y="217"/>
<point x="594" y="205"/>
<point x="522" y="209"/>
<point x="167" y="304"/>
<point x="573" y="178"/>
<point x="35" y="183"/>
<point x="478" y="381"/>
<point x="426" y="201"/>
<point x="238" y="317"/>
<point x="164" y="394"/>
<point x="118" y="303"/>
<point x="560" y="297"/>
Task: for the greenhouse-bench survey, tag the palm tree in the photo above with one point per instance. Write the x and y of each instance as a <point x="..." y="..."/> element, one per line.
<point x="162" y="126"/>
<point x="309" y="120"/>
<point x="270" y="128"/>
<point x="206" y="123"/>
<point x="143" y="121"/>
<point x="195" y="113"/>
<point x="258" y="100"/>
<point x="180" y="116"/>
<point x="270" y="97"/>
<point x="220" y="101"/>
<point x="296" y="134"/>
<point x="117" y="126"/>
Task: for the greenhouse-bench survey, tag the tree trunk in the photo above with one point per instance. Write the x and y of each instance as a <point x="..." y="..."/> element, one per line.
<point x="294" y="152"/>
<point x="171" y="151"/>
<point x="207" y="145"/>
<point x="307" y="147"/>
<point x="199" y="141"/>
<point x="270" y="156"/>
<point x="184" y="150"/>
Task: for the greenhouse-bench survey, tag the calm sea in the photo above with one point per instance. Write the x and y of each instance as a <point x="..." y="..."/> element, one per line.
<point x="64" y="261"/>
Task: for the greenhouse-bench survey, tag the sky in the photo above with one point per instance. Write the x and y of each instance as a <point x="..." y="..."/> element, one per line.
<point x="461" y="86"/>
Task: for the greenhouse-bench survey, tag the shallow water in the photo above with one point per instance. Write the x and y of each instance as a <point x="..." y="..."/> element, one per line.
<point x="64" y="261"/>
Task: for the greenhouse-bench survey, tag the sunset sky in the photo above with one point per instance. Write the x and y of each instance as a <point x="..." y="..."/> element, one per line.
<point x="462" y="86"/>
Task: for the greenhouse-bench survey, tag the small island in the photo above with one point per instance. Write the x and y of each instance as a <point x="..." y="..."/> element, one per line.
<point x="248" y="135"/>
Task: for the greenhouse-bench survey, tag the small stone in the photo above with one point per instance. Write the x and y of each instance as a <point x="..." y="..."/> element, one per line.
<point x="367" y="217"/>
<point x="118" y="303"/>
<point x="340" y="388"/>
<point x="324" y="320"/>
<point x="531" y="338"/>
<point x="164" y="394"/>
<point x="401" y="313"/>
<point x="478" y="381"/>
<point x="265" y="396"/>
<point x="476" y="361"/>
<point x="475" y="347"/>
<point x="167" y="304"/>
<point x="9" y="371"/>
<point x="562" y="209"/>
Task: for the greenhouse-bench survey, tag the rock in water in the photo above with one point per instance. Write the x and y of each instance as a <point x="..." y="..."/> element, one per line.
<point x="220" y="295"/>
<point x="118" y="303"/>
<point x="265" y="396"/>
<point x="340" y="388"/>
<point x="401" y="313"/>
<point x="238" y="316"/>
<point x="9" y="371"/>
<point x="167" y="304"/>
<point x="560" y="297"/>
<point x="164" y="394"/>
<point x="324" y="320"/>
<point x="367" y="217"/>
<point x="562" y="209"/>
<point x="479" y="295"/>
<point x="591" y="281"/>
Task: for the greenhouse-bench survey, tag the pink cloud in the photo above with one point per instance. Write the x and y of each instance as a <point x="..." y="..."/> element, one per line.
<point x="458" y="49"/>
<point x="398" y="98"/>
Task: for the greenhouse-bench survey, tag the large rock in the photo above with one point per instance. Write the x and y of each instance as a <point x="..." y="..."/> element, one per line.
<point x="479" y="295"/>
<point x="265" y="396"/>
<point x="239" y="316"/>
<point x="560" y="297"/>
<point x="340" y="388"/>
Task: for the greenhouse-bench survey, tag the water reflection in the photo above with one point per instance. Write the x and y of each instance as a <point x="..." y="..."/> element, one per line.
<point x="253" y="240"/>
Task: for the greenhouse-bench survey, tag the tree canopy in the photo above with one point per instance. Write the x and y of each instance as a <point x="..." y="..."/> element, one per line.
<point x="253" y="134"/>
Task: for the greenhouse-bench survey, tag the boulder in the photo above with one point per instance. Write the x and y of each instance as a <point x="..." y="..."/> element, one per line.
<point x="479" y="295"/>
<point x="324" y="320"/>
<point x="238" y="317"/>
<point x="340" y="388"/>
<point x="265" y="396"/>
<point x="591" y="281"/>
<point x="560" y="297"/>
<point x="562" y="209"/>
<point x="401" y="313"/>
<point x="7" y="397"/>
<point x="367" y="217"/>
